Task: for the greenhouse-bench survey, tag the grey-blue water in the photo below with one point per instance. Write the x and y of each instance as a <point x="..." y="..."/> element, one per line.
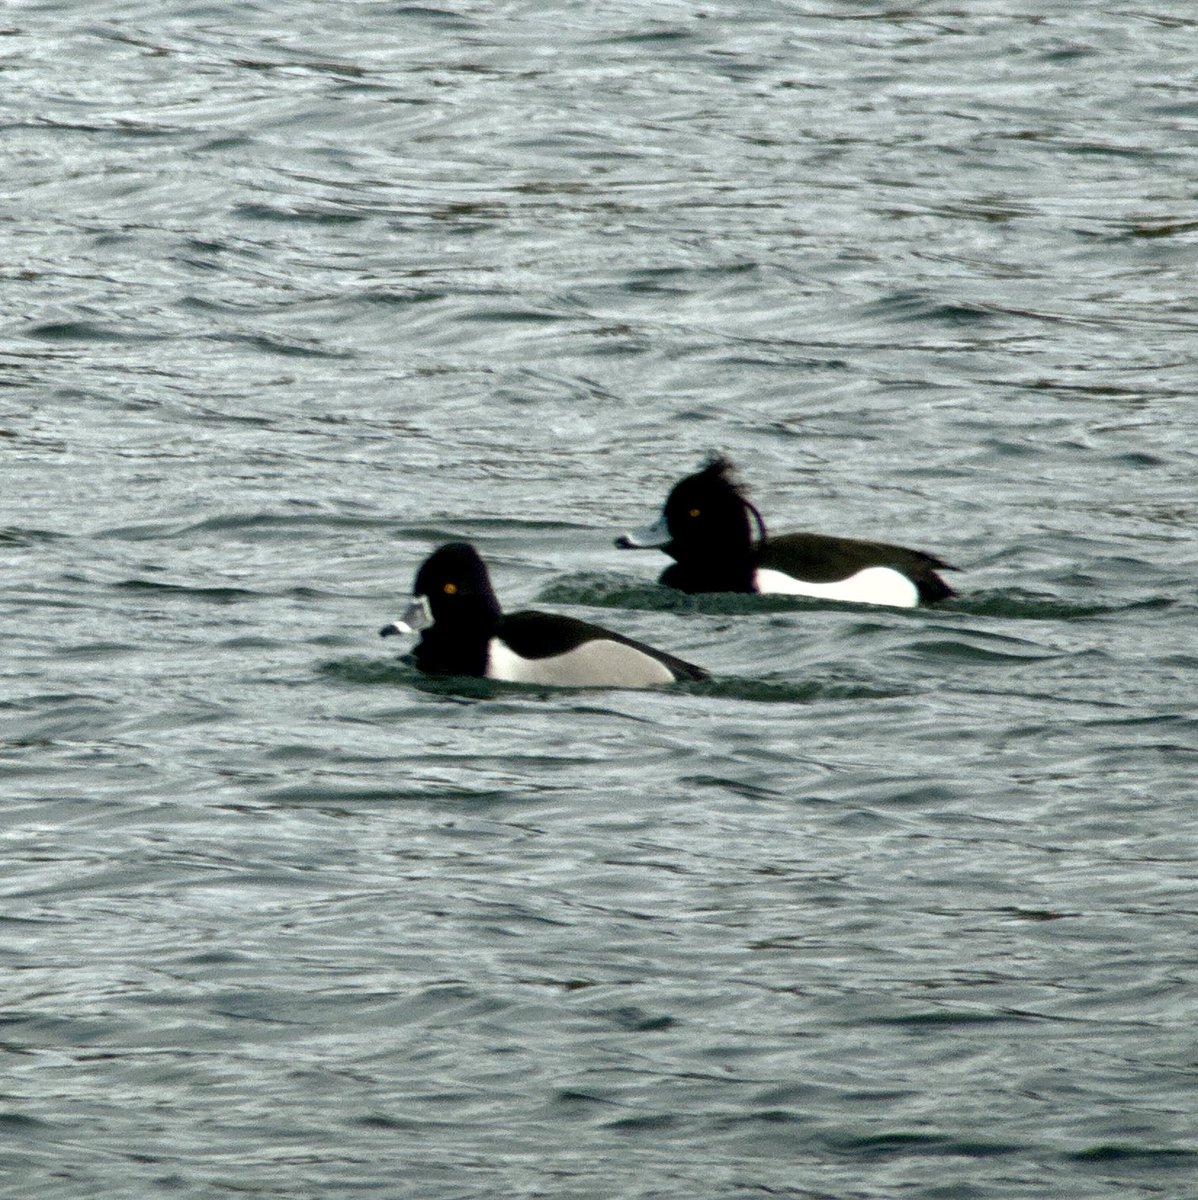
<point x="900" y="904"/>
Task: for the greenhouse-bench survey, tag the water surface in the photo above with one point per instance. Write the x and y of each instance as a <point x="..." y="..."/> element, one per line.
<point x="899" y="903"/>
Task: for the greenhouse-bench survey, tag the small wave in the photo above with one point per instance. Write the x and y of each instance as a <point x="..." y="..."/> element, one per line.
<point x="606" y="591"/>
<point x="19" y="1122"/>
<point x="299" y="214"/>
<point x="14" y="535"/>
<point x="372" y="672"/>
<point x="264" y="524"/>
<point x="613" y="591"/>
<point x="88" y="651"/>
<point x="344" y="797"/>
<point x="518" y="316"/>
<point x="276" y="345"/>
<point x="923" y="306"/>
<point x="87" y="331"/>
<point x="941" y="1017"/>
<point x="653" y="1124"/>
<point x="438" y="16"/>
<point x="901" y="1143"/>
<point x="767" y="691"/>
<point x="972" y="650"/>
<point x="480" y="526"/>
<point x="217" y="595"/>
<point x="400" y="671"/>
<point x="1166" y="1156"/>
<point x="1016" y="605"/>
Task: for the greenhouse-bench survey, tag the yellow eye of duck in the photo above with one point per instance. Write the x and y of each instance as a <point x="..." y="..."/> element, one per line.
<point x="450" y="589"/>
<point x="694" y="512"/>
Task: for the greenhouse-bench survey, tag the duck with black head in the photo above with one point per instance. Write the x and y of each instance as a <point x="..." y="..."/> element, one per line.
<point x="463" y="631"/>
<point x="707" y="527"/>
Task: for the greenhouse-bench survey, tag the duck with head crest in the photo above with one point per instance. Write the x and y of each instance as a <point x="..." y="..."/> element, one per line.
<point x="707" y="527"/>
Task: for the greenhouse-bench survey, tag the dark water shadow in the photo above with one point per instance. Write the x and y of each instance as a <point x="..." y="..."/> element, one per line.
<point x="614" y="591"/>
<point x="15" y="535"/>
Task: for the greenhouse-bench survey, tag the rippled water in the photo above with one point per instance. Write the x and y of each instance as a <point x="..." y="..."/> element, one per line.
<point x="898" y="903"/>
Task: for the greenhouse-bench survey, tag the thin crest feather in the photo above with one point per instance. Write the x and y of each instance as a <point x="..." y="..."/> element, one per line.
<point x="719" y="466"/>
